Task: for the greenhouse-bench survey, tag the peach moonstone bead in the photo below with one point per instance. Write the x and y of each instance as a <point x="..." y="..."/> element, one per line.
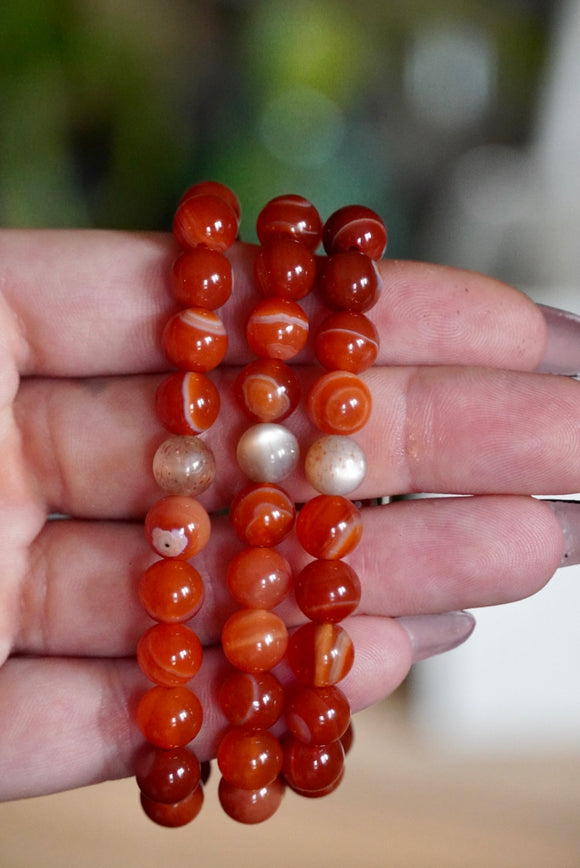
<point x="184" y="465"/>
<point x="335" y="464"/>
<point x="267" y="452"/>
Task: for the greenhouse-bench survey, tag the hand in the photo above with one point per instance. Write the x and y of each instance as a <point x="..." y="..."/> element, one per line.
<point x="456" y="410"/>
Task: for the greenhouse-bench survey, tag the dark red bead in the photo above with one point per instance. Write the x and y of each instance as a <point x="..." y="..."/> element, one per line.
<point x="329" y="526"/>
<point x="327" y="590"/>
<point x="311" y="767"/>
<point x="202" y="278"/>
<point x="207" y="220"/>
<point x="214" y="188"/>
<point x="175" y="815"/>
<point x="320" y="654"/>
<point x="169" y="717"/>
<point x="355" y="227"/>
<point x="167" y="776"/>
<point x="292" y="216"/>
<point x="349" y="281"/>
<point x="285" y="268"/>
<point x="250" y="806"/>
<point x="317" y="715"/>
<point x="252" y="699"/>
<point x="347" y="341"/>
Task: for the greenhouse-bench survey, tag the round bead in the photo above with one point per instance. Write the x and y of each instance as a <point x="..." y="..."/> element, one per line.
<point x="277" y="328"/>
<point x="250" y="806"/>
<point x="184" y="465"/>
<point x="347" y="341"/>
<point x="205" y="219"/>
<point x="177" y="527"/>
<point x="167" y="776"/>
<point x="311" y="767"/>
<point x="252" y="699"/>
<point x="169" y="654"/>
<point x="347" y="740"/>
<point x="339" y="403"/>
<point x="175" y="815"/>
<point x="327" y="590"/>
<point x="291" y="216"/>
<point x="329" y="527"/>
<point x="320" y="654"/>
<point x="350" y="281"/>
<point x="355" y="227"/>
<point x="335" y="465"/>
<point x="254" y="640"/>
<point x="323" y="791"/>
<point x="267" y="452"/>
<point x="202" y="278"/>
<point x="285" y="268"/>
<point x="259" y="578"/>
<point x="249" y="759"/>
<point x="169" y="717"/>
<point x="187" y="403"/>
<point x="214" y="188"/>
<point x="317" y="715"/>
<point x="195" y="340"/>
<point x="171" y="591"/>
<point x="262" y="515"/>
<point x="267" y="389"/>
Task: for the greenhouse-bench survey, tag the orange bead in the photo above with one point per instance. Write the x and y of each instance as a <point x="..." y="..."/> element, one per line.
<point x="195" y="340"/>
<point x="277" y="328"/>
<point x="267" y="389"/>
<point x="327" y="590"/>
<point x="347" y="342"/>
<point x="249" y="759"/>
<point x="250" y="806"/>
<point x="169" y="654"/>
<point x="285" y="268"/>
<point x="205" y="219"/>
<point x="320" y="654"/>
<point x="329" y="526"/>
<point x="175" y="815"/>
<point x="339" y="403"/>
<point x="254" y="640"/>
<point x="187" y="403"/>
<point x="214" y="188"/>
<point x="290" y="216"/>
<point x="201" y="278"/>
<point x="171" y="591"/>
<point x="317" y="715"/>
<point x="259" y="578"/>
<point x="169" y="717"/>
<point x="262" y="514"/>
<point x="177" y="527"/>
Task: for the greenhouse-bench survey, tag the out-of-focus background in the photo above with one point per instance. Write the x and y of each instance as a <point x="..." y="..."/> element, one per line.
<point x="458" y="121"/>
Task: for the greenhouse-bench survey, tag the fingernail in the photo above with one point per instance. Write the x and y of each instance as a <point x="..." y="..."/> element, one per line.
<point x="435" y="634"/>
<point x="562" y="355"/>
<point x="568" y="514"/>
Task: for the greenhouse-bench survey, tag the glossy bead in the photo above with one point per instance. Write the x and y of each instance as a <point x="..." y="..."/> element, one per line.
<point x="311" y="767"/>
<point x="184" y="465"/>
<point x="317" y="715"/>
<point x="267" y="389"/>
<point x="339" y="403"/>
<point x="171" y="591"/>
<point x="252" y="699"/>
<point x="249" y="759"/>
<point x="169" y="654"/>
<point x="349" y="281"/>
<point x="355" y="227"/>
<point x="347" y="740"/>
<point x="202" y="278"/>
<point x="285" y="268"/>
<point x="327" y="590"/>
<point x="323" y="791"/>
<point x="262" y="515"/>
<point x="167" y="776"/>
<point x="277" y="328"/>
<point x="254" y="640"/>
<point x="177" y="527"/>
<point x="329" y="526"/>
<point x="187" y="403"/>
<point x="267" y="452"/>
<point x="250" y="806"/>
<point x="335" y="465"/>
<point x="175" y="815"/>
<point x="169" y="717"/>
<point x="320" y="654"/>
<point x="214" y="188"/>
<point x="259" y="578"/>
<point x="347" y="341"/>
<point x="195" y="340"/>
<point x="291" y="216"/>
<point x="205" y="219"/>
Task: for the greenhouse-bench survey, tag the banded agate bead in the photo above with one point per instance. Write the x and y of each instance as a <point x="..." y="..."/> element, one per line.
<point x="327" y="590"/>
<point x="347" y="341"/>
<point x="317" y="715"/>
<point x="285" y="268"/>
<point x="177" y="527"/>
<point x="169" y="654"/>
<point x="259" y="578"/>
<point x="355" y="227"/>
<point x="167" y="776"/>
<point x="205" y="219"/>
<point x="195" y="340"/>
<point x="254" y="700"/>
<point x="311" y="767"/>
<point x="187" y="403"/>
<point x="213" y="188"/>
<point x="202" y="278"/>
<point x="339" y="403"/>
<point x="249" y="759"/>
<point x="329" y="527"/>
<point x="349" y="281"/>
<point x="267" y="452"/>
<point x="175" y="815"/>
<point x="335" y="464"/>
<point x="184" y="465"/>
<point x="320" y="654"/>
<point x="169" y="717"/>
<point x="267" y="389"/>
<point x="262" y="515"/>
<point x="277" y="328"/>
<point x="291" y="216"/>
<point x="171" y="591"/>
<point x="250" y="806"/>
<point x="254" y="640"/>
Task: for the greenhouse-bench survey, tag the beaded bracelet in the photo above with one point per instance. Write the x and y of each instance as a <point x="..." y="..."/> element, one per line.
<point x="255" y="765"/>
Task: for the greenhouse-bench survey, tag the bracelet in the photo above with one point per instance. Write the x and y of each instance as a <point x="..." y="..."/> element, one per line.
<point x="256" y="765"/>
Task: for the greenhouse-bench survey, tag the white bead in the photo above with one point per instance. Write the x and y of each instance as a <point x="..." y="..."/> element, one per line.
<point x="184" y="465"/>
<point x="267" y="452"/>
<point x="335" y="465"/>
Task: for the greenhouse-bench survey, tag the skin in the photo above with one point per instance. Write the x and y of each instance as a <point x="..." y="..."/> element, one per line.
<point x="457" y="409"/>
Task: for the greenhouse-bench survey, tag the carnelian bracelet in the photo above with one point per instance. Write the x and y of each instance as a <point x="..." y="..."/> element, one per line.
<point x="255" y="764"/>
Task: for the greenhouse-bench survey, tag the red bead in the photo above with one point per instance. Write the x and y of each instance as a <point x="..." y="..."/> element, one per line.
<point x="207" y="220"/>
<point x="277" y="328"/>
<point x="250" y="806"/>
<point x="347" y="739"/>
<point x="249" y="759"/>
<point x="339" y="403"/>
<point x="171" y="591"/>
<point x="169" y="654"/>
<point x="195" y="340"/>
<point x="292" y="216"/>
<point x="267" y="389"/>
<point x="327" y="590"/>
<point x="317" y="715"/>
<point x="311" y="767"/>
<point x="167" y="776"/>
<point x="355" y="227"/>
<point x="179" y="814"/>
<point x="177" y="527"/>
<point x="214" y="188"/>
<point x="324" y="791"/>
<point x="254" y="640"/>
<point x="329" y="526"/>
<point x="259" y="578"/>
<point x="252" y="699"/>
<point x="349" y="281"/>
<point x="262" y="514"/>
<point x="202" y="278"/>
<point x="320" y="654"/>
<point x="169" y="717"/>
<point x="187" y="403"/>
<point x="347" y="342"/>
<point x="285" y="268"/>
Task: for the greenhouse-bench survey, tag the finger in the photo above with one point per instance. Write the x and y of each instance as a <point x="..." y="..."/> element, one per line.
<point x="88" y="303"/>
